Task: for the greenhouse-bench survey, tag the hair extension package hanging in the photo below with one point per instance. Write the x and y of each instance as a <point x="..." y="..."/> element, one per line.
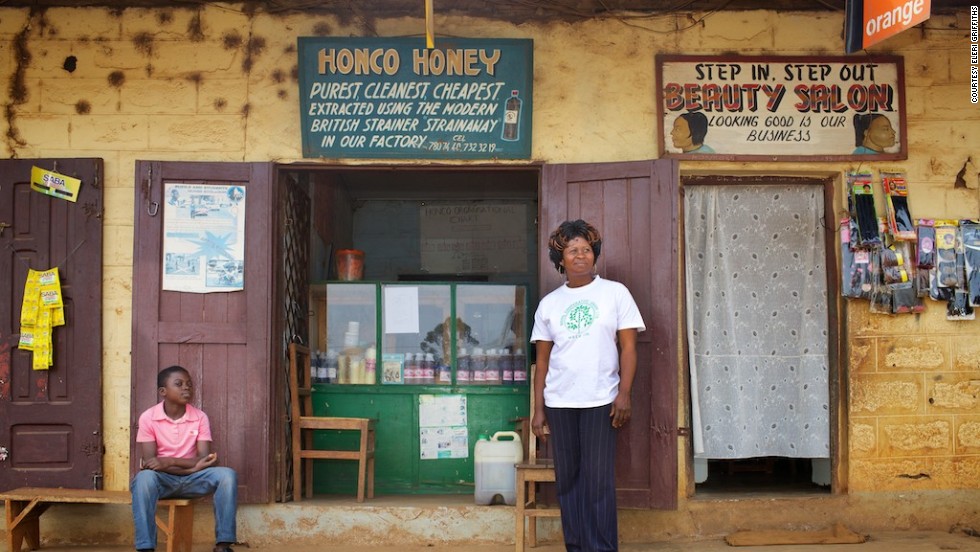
<point x="861" y="201"/>
<point x="970" y="231"/>
<point x="900" y="224"/>
<point x="856" y="271"/>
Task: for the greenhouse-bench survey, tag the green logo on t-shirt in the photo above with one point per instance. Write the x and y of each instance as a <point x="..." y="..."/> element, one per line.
<point x="580" y="316"/>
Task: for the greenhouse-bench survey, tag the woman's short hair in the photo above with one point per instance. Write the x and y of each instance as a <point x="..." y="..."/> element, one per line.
<point x="697" y="122"/>
<point x="568" y="231"/>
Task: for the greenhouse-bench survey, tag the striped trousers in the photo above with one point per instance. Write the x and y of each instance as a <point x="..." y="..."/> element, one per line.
<point x="584" y="444"/>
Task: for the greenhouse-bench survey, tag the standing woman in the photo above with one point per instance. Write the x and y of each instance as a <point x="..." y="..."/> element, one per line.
<point x="585" y="339"/>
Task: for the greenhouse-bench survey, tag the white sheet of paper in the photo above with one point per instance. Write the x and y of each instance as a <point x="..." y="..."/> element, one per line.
<point x="401" y="309"/>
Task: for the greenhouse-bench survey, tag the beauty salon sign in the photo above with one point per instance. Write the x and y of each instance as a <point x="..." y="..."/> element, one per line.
<point x="781" y="107"/>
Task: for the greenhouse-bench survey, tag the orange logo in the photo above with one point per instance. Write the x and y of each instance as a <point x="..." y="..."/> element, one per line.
<point x="885" y="18"/>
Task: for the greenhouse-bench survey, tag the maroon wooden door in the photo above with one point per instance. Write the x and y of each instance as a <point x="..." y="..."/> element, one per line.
<point x="51" y="420"/>
<point x="223" y="339"/>
<point x="634" y="206"/>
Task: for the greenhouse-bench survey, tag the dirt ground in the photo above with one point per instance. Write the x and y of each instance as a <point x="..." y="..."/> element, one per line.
<point x="881" y="542"/>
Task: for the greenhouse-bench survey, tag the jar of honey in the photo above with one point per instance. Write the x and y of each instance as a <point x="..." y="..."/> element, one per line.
<point x="350" y="264"/>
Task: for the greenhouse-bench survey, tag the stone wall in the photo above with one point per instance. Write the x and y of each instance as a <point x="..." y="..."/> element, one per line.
<point x="219" y="84"/>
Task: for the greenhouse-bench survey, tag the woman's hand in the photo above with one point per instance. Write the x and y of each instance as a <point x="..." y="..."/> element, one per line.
<point x="621" y="410"/>
<point x="539" y="425"/>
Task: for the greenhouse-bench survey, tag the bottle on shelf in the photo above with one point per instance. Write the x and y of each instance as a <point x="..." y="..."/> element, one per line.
<point x="331" y="366"/>
<point x="370" y="365"/>
<point x="343" y="369"/>
<point x="491" y="374"/>
<point x="315" y="367"/>
<point x="479" y="367"/>
<point x="357" y="366"/>
<point x="520" y="367"/>
<point x="444" y="375"/>
<point x="321" y="367"/>
<point x="463" y="367"/>
<point x="506" y="367"/>
<point x="411" y="369"/>
<point x="428" y="364"/>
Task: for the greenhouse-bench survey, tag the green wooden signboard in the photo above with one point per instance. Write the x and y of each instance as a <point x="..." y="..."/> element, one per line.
<point x="395" y="98"/>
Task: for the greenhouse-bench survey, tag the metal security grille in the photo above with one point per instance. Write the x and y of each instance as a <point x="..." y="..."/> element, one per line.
<point x="294" y="220"/>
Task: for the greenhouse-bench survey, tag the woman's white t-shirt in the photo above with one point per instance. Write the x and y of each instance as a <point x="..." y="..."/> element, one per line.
<point x="583" y="369"/>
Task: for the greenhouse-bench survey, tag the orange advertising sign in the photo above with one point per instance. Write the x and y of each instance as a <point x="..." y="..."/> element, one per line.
<point x="885" y="18"/>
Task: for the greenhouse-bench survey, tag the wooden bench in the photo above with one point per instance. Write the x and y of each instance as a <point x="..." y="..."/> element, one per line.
<point x="24" y="506"/>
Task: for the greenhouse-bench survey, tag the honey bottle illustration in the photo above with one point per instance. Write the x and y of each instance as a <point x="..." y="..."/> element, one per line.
<point x="512" y="118"/>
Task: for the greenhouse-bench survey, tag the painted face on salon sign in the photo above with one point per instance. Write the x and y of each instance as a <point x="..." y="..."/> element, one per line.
<point x="880" y="134"/>
<point x="680" y="135"/>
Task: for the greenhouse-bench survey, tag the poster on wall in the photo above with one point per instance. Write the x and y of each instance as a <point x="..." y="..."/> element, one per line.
<point x="203" y="238"/>
<point x="442" y="427"/>
<point x="395" y="98"/>
<point x="473" y="238"/>
<point x="782" y="108"/>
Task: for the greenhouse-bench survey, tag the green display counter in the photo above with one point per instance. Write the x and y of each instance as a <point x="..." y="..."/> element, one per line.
<point x="399" y="466"/>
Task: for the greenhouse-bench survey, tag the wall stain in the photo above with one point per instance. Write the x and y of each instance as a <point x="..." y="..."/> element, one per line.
<point x="17" y="87"/>
<point x="82" y="107"/>
<point x="165" y="17"/>
<point x="256" y="45"/>
<point x="195" y="29"/>
<point x="322" y="29"/>
<point x="231" y="40"/>
<point x="116" y="79"/>
<point x="143" y="42"/>
<point x="960" y="181"/>
<point x="220" y="104"/>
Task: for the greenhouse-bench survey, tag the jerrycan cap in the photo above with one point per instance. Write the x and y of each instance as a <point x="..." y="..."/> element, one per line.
<point x="483" y="437"/>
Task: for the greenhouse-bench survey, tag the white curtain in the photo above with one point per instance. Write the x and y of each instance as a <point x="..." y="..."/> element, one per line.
<point x="757" y="320"/>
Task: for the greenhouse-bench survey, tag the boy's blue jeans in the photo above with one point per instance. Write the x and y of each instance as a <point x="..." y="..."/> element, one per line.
<point x="149" y="486"/>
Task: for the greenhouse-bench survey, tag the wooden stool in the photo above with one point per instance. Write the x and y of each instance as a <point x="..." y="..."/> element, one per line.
<point x="529" y="474"/>
<point x="527" y="508"/>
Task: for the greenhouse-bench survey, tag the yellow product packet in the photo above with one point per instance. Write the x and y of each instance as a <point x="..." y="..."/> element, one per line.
<point x="42" y="352"/>
<point x="43" y="325"/>
<point x="50" y="285"/>
<point x="41" y="360"/>
<point x="26" y="339"/>
<point x="58" y="316"/>
<point x="29" y="307"/>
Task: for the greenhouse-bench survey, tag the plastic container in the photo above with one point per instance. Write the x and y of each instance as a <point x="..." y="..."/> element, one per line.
<point x="350" y="264"/>
<point x="493" y="467"/>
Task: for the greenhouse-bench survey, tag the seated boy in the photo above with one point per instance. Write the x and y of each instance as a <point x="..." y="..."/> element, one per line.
<point x="174" y="440"/>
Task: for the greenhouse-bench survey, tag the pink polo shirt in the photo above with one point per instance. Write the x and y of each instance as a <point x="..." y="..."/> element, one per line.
<point x="174" y="438"/>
